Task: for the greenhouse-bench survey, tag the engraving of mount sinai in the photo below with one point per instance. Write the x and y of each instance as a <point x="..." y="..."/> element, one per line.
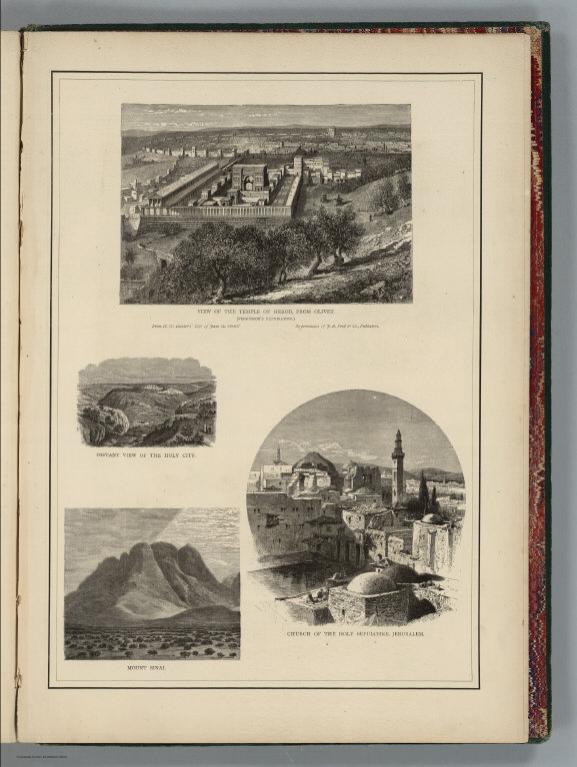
<point x="152" y="584"/>
<point x="266" y="204"/>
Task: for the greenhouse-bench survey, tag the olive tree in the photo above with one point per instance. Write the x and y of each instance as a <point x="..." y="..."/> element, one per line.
<point x="203" y="264"/>
<point x="385" y="198"/>
<point x="340" y="231"/>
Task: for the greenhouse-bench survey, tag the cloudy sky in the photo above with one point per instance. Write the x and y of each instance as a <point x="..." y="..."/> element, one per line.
<point x="180" y="117"/>
<point x="91" y="535"/>
<point x="360" y="426"/>
<point x="144" y="370"/>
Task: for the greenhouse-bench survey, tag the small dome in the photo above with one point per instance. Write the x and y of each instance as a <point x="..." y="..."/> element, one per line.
<point x="370" y="584"/>
<point x="433" y="519"/>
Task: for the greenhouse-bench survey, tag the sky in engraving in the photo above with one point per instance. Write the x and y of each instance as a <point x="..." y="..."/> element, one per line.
<point x="182" y="117"/>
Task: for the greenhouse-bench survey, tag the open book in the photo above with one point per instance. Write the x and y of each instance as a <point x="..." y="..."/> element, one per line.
<point x="275" y="325"/>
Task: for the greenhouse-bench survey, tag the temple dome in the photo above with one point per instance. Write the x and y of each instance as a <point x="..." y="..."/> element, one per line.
<point x="370" y="584"/>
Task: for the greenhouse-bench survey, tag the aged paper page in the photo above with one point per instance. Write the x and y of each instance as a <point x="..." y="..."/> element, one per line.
<point x="260" y="480"/>
<point x="10" y="235"/>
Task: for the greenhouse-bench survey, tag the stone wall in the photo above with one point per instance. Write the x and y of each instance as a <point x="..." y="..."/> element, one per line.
<point x="389" y="608"/>
<point x="346" y="607"/>
<point x="380" y="539"/>
<point x="363" y="476"/>
<point x="190" y="214"/>
<point x="433" y="546"/>
<point x="186" y="214"/>
<point x="438" y="598"/>
<point x="278" y="522"/>
<point x="314" y="615"/>
<point x="381" y="609"/>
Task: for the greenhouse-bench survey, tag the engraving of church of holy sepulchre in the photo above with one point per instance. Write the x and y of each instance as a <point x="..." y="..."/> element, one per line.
<point x="348" y="525"/>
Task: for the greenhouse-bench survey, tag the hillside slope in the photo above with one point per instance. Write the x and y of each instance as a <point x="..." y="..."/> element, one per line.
<point x="142" y="406"/>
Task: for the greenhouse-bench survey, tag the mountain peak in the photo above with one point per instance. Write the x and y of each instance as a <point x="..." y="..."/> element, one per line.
<point x="191" y="562"/>
<point x="150" y="582"/>
<point x="190" y="547"/>
<point x="140" y="555"/>
<point x="164" y="550"/>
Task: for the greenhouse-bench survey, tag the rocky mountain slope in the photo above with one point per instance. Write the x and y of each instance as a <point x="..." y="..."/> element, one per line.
<point x="151" y="582"/>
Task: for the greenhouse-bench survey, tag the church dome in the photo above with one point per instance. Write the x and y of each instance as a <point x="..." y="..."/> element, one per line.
<point x="433" y="519"/>
<point x="315" y="460"/>
<point x="370" y="584"/>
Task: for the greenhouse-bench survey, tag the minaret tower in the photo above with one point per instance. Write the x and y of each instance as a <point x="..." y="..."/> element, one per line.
<point x="278" y="458"/>
<point x="398" y="471"/>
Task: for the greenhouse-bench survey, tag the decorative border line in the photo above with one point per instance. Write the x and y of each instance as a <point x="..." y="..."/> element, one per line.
<point x="214" y="686"/>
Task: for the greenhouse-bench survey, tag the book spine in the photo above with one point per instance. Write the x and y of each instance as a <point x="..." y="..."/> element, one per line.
<point x="539" y="395"/>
